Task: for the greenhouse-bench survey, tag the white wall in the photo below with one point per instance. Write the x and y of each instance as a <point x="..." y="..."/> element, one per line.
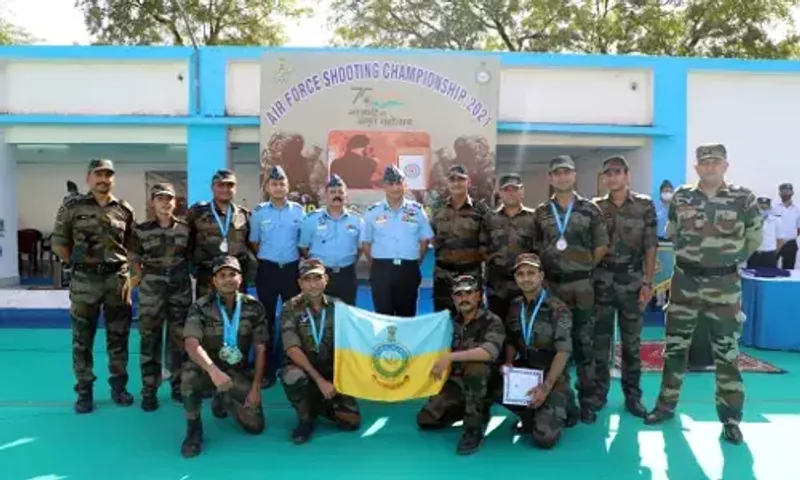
<point x="9" y="269"/>
<point x="756" y="116"/>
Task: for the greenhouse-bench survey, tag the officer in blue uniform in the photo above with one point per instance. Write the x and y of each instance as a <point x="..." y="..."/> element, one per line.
<point x="396" y="236"/>
<point x="274" y="234"/>
<point x="333" y="235"/>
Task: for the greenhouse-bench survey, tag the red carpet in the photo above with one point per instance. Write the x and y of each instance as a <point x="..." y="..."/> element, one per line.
<point x="653" y="360"/>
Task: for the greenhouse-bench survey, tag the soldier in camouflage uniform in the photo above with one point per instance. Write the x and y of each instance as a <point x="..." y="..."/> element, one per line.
<point x="510" y="233"/>
<point x="93" y="234"/>
<point x="161" y="249"/>
<point x="460" y="239"/>
<point x="715" y="227"/>
<point x="571" y="238"/>
<point x="219" y="228"/>
<point x="623" y="281"/>
<point x="538" y="336"/>
<point x="307" y="326"/>
<point x="220" y="329"/>
<point x="477" y="342"/>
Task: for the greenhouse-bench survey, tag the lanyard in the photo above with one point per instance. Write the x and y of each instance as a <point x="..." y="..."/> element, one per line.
<point x="317" y="333"/>
<point x="231" y="324"/>
<point x="228" y="214"/>
<point x="527" y="328"/>
<point x="562" y="224"/>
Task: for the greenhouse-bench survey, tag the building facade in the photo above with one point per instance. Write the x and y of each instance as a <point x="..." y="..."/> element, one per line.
<point x="169" y="113"/>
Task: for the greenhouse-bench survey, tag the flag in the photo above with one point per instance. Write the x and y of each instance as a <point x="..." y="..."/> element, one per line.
<point x="665" y="266"/>
<point x="388" y="359"/>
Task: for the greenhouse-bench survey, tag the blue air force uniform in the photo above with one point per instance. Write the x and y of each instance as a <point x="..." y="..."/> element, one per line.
<point x="274" y="234"/>
<point x="395" y="237"/>
<point x="335" y="241"/>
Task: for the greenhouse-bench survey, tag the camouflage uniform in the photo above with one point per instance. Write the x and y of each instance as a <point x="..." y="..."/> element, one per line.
<point x="165" y="294"/>
<point x="552" y="333"/>
<point x="617" y="281"/>
<point x="569" y="275"/>
<point x="508" y="237"/>
<point x="99" y="238"/>
<point x="205" y="323"/>
<point x="460" y="240"/>
<point x="712" y="237"/>
<point x="206" y="238"/>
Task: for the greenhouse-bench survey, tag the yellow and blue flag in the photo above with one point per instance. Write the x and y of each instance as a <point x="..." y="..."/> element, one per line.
<point x="665" y="267"/>
<point x="388" y="359"/>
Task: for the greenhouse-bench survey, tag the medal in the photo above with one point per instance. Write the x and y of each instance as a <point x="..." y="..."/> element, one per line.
<point x="223" y="246"/>
<point x="230" y="352"/>
<point x="223" y="229"/>
<point x="315" y="332"/>
<point x="527" y="323"/>
<point x="561" y="224"/>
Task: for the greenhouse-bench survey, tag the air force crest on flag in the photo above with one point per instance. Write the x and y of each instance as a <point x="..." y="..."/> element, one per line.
<point x="390" y="361"/>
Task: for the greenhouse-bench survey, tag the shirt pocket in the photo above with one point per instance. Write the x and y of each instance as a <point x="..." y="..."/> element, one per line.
<point x="688" y="220"/>
<point x="631" y="232"/>
<point x="726" y="222"/>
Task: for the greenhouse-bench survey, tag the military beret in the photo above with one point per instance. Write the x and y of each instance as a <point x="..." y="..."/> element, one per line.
<point x="224" y="176"/>
<point x="335" y="181"/>
<point x="226" y="261"/>
<point x="562" y="161"/>
<point x="277" y="173"/>
<point x="510" y="179"/>
<point x="465" y="283"/>
<point x="458" y="171"/>
<point x="528" y="259"/>
<point x="615" y="162"/>
<point x="711" y="151"/>
<point x="162" y="189"/>
<point x="392" y="174"/>
<point x="311" y="266"/>
<point x="101" y="164"/>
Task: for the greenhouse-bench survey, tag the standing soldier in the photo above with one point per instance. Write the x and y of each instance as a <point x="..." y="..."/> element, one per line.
<point x="460" y="240"/>
<point x="274" y="235"/>
<point x="715" y="227"/>
<point x="396" y="237"/>
<point x="333" y="235"/>
<point x="219" y="228"/>
<point x="160" y="262"/>
<point x="510" y="233"/>
<point x="571" y="238"/>
<point x="623" y="281"/>
<point x="94" y="234"/>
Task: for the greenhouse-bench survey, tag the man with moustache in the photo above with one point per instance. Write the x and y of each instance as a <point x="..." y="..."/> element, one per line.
<point x="220" y="329"/>
<point x="93" y="234"/>
<point x="161" y="267"/>
<point x="538" y="336"/>
<point x="219" y="227"/>
<point x="356" y="166"/>
<point x="623" y="281"/>
<point x="510" y="234"/>
<point x="333" y="235"/>
<point x="307" y="328"/>
<point x="571" y="238"/>
<point x="461" y="238"/>
<point x="478" y="338"/>
<point x="396" y="237"/>
<point x="274" y="235"/>
<point x="715" y="226"/>
<point x="789" y="214"/>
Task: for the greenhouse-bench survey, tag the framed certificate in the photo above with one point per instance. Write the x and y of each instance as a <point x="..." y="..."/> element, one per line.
<point x="517" y="382"/>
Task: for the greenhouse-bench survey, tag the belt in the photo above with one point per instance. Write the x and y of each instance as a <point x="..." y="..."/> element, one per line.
<point x="166" y="271"/>
<point x="293" y="263"/>
<point x="104" y="267"/>
<point x="338" y="269"/>
<point x="701" y="271"/>
<point x="397" y="261"/>
<point x="459" y="268"/>
<point x="621" y="267"/>
<point x="567" y="277"/>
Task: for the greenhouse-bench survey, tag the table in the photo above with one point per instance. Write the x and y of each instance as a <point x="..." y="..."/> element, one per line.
<point x="772" y="307"/>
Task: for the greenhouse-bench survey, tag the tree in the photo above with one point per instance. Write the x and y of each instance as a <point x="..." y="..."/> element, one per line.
<point x="11" y="34"/>
<point x="718" y="28"/>
<point x="178" y="22"/>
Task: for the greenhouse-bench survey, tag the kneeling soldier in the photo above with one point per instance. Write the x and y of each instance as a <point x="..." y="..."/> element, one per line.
<point x="307" y="325"/>
<point x="539" y="337"/>
<point x="220" y="330"/>
<point x="477" y="340"/>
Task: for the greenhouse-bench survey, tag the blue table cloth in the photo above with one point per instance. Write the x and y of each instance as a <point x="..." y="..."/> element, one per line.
<point x="772" y="307"/>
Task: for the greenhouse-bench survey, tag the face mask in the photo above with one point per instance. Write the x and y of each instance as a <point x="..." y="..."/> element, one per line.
<point x="666" y="196"/>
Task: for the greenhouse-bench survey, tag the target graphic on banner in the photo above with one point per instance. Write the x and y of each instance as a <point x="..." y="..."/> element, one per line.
<point x="412" y="171"/>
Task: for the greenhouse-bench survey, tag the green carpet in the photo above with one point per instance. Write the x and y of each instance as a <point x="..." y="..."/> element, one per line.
<point x="41" y="438"/>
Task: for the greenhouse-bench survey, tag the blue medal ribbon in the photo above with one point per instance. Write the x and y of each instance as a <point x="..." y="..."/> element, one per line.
<point x="527" y="322"/>
<point x="562" y="224"/>
<point x="231" y="325"/>
<point x="317" y="333"/>
<point x="223" y="230"/>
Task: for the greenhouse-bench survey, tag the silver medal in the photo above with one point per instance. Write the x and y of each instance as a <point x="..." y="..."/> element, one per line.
<point x="561" y="244"/>
<point x="223" y="247"/>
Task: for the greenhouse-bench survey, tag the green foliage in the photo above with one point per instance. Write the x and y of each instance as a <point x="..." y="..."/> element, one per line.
<point x="717" y="28"/>
<point x="178" y="22"/>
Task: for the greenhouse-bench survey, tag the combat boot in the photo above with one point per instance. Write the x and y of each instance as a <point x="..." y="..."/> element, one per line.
<point x="732" y="434"/>
<point x="658" y="416"/>
<point x="193" y="443"/>
<point x="121" y="397"/>
<point x="149" y="401"/>
<point x="85" y="403"/>
<point x="635" y="408"/>
<point x="471" y="441"/>
<point x="588" y="415"/>
<point x="219" y="406"/>
<point x="303" y="432"/>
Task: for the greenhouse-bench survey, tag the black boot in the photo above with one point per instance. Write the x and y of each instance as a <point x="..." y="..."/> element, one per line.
<point x="634" y="407"/>
<point x="732" y="434"/>
<point x="149" y="401"/>
<point x="121" y="397"/>
<point x="658" y="416"/>
<point x="85" y="403"/>
<point x="471" y="440"/>
<point x="218" y="405"/>
<point x="193" y="443"/>
<point x="588" y="415"/>
<point x="303" y="432"/>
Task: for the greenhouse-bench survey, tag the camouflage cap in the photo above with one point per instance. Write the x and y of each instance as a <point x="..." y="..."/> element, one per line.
<point x="224" y="176"/>
<point x="562" y="161"/>
<point x="510" y="180"/>
<point x="226" y="261"/>
<point x="711" y="151"/>
<point x="527" y="259"/>
<point x="101" y="164"/>
<point x="392" y="174"/>
<point x="766" y="201"/>
<point x="335" y="181"/>
<point x="311" y="266"/>
<point x="465" y="283"/>
<point x="786" y="186"/>
<point x="277" y="173"/>
<point x="615" y="162"/>
<point x="459" y="171"/>
<point x="162" y="189"/>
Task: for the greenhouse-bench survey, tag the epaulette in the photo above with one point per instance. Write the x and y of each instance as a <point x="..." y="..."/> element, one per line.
<point x="127" y="206"/>
<point x="642" y="196"/>
<point x="72" y="200"/>
<point x="203" y="301"/>
<point x="259" y="207"/>
<point x="198" y="205"/>
<point x="374" y="206"/>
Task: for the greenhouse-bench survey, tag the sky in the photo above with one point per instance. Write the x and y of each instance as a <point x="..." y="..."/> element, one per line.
<point x="59" y="22"/>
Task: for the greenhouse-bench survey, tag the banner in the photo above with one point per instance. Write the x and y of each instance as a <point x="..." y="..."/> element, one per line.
<point x="665" y="266"/>
<point x="355" y="113"/>
<point x="388" y="359"/>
